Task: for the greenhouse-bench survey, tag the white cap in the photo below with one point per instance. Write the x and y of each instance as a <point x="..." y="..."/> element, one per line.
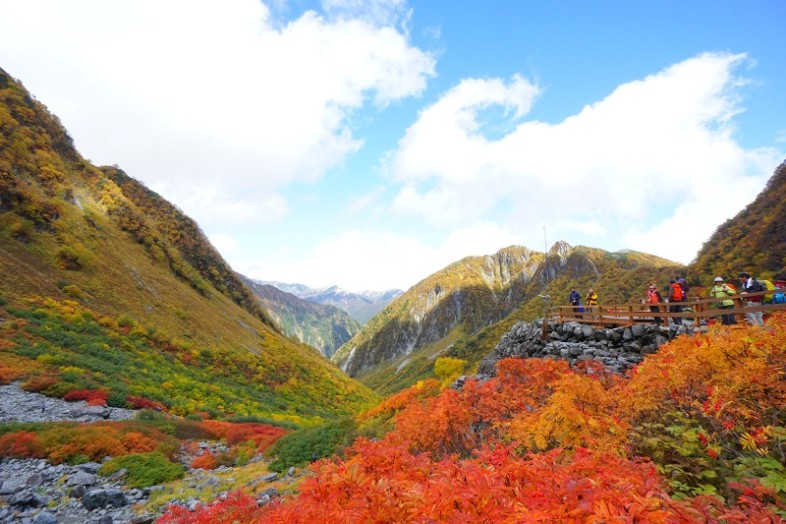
<point x="718" y="279"/>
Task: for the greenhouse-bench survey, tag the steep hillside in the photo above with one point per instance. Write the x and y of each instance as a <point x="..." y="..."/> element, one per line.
<point x="388" y="365"/>
<point x="754" y="240"/>
<point x="361" y="306"/>
<point x="321" y="326"/>
<point x="471" y="293"/>
<point x="108" y="286"/>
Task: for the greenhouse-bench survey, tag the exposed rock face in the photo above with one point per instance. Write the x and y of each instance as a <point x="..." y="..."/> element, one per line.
<point x="617" y="348"/>
<point x="472" y="293"/>
<point x="563" y="260"/>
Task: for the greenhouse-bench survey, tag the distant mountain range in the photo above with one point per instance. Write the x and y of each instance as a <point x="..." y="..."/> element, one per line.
<point x="362" y="306"/>
<point x="322" y="326"/>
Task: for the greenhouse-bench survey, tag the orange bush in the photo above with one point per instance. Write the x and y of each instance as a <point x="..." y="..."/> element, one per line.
<point x="21" y="444"/>
<point x="205" y="461"/>
<point x="729" y="378"/>
<point x="135" y="442"/>
<point x="383" y="483"/>
<point x="578" y="414"/>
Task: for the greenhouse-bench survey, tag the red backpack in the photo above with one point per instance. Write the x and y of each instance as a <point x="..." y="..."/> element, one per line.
<point x="676" y="292"/>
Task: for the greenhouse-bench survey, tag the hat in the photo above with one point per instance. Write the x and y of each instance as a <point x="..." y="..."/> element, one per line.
<point x="718" y="279"/>
<point x="652" y="286"/>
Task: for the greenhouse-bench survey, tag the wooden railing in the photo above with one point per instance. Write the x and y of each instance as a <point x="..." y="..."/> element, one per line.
<point x="628" y="314"/>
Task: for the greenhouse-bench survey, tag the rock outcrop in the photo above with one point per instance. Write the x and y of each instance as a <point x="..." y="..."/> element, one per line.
<point x="617" y="348"/>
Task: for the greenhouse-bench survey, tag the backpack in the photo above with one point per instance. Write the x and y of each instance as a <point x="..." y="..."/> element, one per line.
<point x="684" y="285"/>
<point x="756" y="286"/>
<point x="779" y="298"/>
<point x="769" y="286"/>
<point x="677" y="292"/>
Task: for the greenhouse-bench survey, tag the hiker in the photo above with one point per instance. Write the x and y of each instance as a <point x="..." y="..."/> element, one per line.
<point x="591" y="300"/>
<point x="751" y="285"/>
<point x="575" y="300"/>
<point x="675" y="296"/>
<point x="653" y="299"/>
<point x="723" y="291"/>
<point x="684" y="285"/>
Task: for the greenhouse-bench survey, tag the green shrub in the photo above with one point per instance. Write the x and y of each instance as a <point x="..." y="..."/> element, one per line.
<point x="59" y="389"/>
<point x="144" y="469"/>
<point x="158" y="420"/>
<point x="117" y="399"/>
<point x="307" y="444"/>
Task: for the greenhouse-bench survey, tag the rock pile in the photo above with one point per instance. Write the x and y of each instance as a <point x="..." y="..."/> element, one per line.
<point x="36" y="492"/>
<point x="33" y="491"/>
<point x="21" y="406"/>
<point x="617" y="348"/>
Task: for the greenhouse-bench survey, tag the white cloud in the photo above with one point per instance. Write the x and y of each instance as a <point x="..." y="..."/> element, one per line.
<point x="643" y="158"/>
<point x="206" y="90"/>
<point x="377" y="259"/>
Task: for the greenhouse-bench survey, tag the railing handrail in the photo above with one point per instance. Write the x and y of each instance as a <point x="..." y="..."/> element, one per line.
<point x="632" y="313"/>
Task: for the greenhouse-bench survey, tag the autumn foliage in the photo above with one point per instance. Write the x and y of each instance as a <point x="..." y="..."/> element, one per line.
<point x="696" y="433"/>
<point x="73" y="442"/>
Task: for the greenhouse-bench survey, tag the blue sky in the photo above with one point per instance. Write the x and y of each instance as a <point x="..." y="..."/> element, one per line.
<point x="369" y="144"/>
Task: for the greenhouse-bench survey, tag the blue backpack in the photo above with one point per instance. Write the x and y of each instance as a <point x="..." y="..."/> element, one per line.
<point x="779" y="298"/>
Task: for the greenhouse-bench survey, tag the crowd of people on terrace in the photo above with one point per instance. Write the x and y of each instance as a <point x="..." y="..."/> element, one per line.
<point x="749" y="294"/>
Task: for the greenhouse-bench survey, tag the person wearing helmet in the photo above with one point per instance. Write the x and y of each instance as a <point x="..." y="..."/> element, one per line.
<point x="722" y="291"/>
<point x="654" y="299"/>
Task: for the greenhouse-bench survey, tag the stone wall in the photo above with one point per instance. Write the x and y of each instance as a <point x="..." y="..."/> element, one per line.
<point x="617" y="348"/>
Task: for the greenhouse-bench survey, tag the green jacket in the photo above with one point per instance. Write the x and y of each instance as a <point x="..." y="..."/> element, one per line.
<point x="722" y="291"/>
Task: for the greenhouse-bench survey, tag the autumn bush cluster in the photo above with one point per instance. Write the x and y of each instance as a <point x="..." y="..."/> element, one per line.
<point x="147" y="448"/>
<point x="72" y="442"/>
<point x="696" y="433"/>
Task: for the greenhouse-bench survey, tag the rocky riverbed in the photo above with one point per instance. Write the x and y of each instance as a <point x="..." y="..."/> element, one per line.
<point x="33" y="491"/>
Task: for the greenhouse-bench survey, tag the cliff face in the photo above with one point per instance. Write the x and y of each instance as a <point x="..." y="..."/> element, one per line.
<point x="468" y="294"/>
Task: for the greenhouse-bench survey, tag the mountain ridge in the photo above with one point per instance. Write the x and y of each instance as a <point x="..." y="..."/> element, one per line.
<point x="361" y="305"/>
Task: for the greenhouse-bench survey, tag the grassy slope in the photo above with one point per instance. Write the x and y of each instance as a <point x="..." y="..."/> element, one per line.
<point x="68" y="231"/>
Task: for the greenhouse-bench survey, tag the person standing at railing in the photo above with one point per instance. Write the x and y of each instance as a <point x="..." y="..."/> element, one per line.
<point x="751" y="285"/>
<point x="721" y="290"/>
<point x="675" y="296"/>
<point x="592" y="300"/>
<point x="575" y="300"/>
<point x="653" y="299"/>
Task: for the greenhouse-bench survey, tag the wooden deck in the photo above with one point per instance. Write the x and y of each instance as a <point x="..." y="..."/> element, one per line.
<point x="699" y="309"/>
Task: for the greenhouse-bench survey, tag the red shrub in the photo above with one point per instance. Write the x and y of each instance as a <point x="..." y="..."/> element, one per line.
<point x="237" y="507"/>
<point x="144" y="403"/>
<point x="95" y="397"/>
<point x="20" y="444"/>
